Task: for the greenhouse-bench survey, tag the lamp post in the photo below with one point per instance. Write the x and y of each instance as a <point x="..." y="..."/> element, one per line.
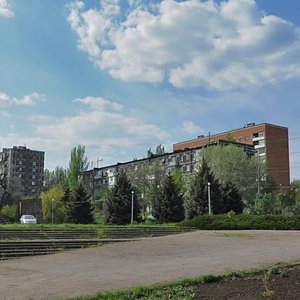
<point x="209" y="202"/>
<point x="132" y="196"/>
<point x="52" y="212"/>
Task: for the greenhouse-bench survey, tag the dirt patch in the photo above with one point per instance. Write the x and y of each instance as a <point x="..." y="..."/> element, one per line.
<point x="274" y="284"/>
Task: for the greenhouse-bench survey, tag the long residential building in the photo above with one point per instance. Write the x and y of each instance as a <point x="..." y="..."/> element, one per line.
<point x="153" y="168"/>
<point x="271" y="143"/>
<point x="23" y="169"/>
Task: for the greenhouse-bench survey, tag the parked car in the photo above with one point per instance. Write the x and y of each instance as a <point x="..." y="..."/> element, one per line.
<point x="28" y="219"/>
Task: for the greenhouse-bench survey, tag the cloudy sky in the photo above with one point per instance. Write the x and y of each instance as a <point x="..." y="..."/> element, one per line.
<point x="120" y="76"/>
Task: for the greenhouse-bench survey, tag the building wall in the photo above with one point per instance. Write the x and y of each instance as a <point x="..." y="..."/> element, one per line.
<point x="24" y="169"/>
<point x="152" y="169"/>
<point x="270" y="143"/>
<point x="277" y="154"/>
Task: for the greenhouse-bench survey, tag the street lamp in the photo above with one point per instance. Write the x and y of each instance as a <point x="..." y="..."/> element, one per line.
<point x="132" y="196"/>
<point x="209" y="203"/>
<point x="52" y="212"/>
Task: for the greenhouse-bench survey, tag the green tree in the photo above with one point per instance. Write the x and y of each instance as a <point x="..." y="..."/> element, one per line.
<point x="77" y="165"/>
<point x="117" y="208"/>
<point x="232" y="164"/>
<point x="52" y="178"/>
<point x="52" y="199"/>
<point x="196" y="202"/>
<point x="9" y="212"/>
<point x="295" y="191"/>
<point x="80" y="209"/>
<point x="232" y="199"/>
<point x="160" y="150"/>
<point x="149" y="152"/>
<point x="67" y="201"/>
<point x="169" y="203"/>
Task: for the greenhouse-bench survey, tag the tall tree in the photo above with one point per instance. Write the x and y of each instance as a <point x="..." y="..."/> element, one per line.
<point x="169" y="206"/>
<point x="160" y="150"/>
<point x="55" y="177"/>
<point x="232" y="199"/>
<point x="117" y="208"/>
<point x="77" y="165"/>
<point x="52" y="203"/>
<point x="196" y="202"/>
<point x="80" y="212"/>
<point x="232" y="164"/>
<point x="67" y="201"/>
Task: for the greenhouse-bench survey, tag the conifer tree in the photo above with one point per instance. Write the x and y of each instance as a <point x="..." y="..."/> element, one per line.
<point x="117" y="208"/>
<point x="232" y="199"/>
<point x="80" y="208"/>
<point x="169" y="206"/>
<point x="197" y="197"/>
<point x="67" y="200"/>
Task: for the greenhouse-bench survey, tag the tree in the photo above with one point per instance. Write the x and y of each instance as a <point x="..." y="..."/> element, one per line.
<point x="67" y="201"/>
<point x="52" y="199"/>
<point x="80" y="209"/>
<point x="149" y="153"/>
<point x="232" y="199"/>
<point x="117" y="208"/>
<point x="77" y="165"/>
<point x="160" y="150"/>
<point x="196" y="202"/>
<point x="52" y="178"/>
<point x="169" y="206"/>
<point x="232" y="164"/>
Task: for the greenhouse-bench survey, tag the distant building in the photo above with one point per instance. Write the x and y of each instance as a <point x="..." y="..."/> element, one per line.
<point x="271" y="143"/>
<point x="153" y="168"/>
<point x="23" y="169"/>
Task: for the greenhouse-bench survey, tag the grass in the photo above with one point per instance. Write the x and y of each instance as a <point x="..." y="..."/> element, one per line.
<point x="178" y="290"/>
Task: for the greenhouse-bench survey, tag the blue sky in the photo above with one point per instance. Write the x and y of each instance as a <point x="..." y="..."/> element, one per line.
<point x="122" y="76"/>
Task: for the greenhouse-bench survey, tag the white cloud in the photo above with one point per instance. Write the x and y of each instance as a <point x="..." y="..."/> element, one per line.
<point x="27" y="100"/>
<point x="189" y="43"/>
<point x="191" y="128"/>
<point x="5" y="10"/>
<point x="105" y="127"/>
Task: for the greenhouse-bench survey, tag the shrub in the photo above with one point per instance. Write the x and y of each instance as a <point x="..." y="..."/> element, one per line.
<point x="243" y="222"/>
<point x="9" y="211"/>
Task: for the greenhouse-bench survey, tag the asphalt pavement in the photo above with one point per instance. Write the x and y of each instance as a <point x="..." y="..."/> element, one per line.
<point x="144" y="262"/>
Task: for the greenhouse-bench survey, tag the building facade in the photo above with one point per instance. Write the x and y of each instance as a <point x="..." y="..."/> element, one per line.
<point x="23" y="169"/>
<point x="270" y="142"/>
<point x="151" y="169"/>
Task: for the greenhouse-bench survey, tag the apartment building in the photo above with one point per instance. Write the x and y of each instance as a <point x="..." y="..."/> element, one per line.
<point x="270" y="142"/>
<point x="23" y="169"/>
<point x="153" y="168"/>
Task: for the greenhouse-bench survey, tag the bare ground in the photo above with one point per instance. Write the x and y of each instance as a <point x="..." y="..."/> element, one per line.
<point x="143" y="262"/>
<point x="284" y="285"/>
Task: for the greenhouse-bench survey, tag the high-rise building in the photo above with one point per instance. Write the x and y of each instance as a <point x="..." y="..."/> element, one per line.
<point x="23" y="169"/>
<point x="271" y="143"/>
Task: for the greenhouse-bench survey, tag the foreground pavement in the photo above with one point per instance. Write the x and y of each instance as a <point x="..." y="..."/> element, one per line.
<point x="143" y="262"/>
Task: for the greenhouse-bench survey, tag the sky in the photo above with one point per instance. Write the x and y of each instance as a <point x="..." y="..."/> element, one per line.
<point x="121" y="76"/>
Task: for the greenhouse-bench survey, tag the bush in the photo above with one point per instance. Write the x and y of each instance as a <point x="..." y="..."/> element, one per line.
<point x="9" y="211"/>
<point x="243" y="222"/>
